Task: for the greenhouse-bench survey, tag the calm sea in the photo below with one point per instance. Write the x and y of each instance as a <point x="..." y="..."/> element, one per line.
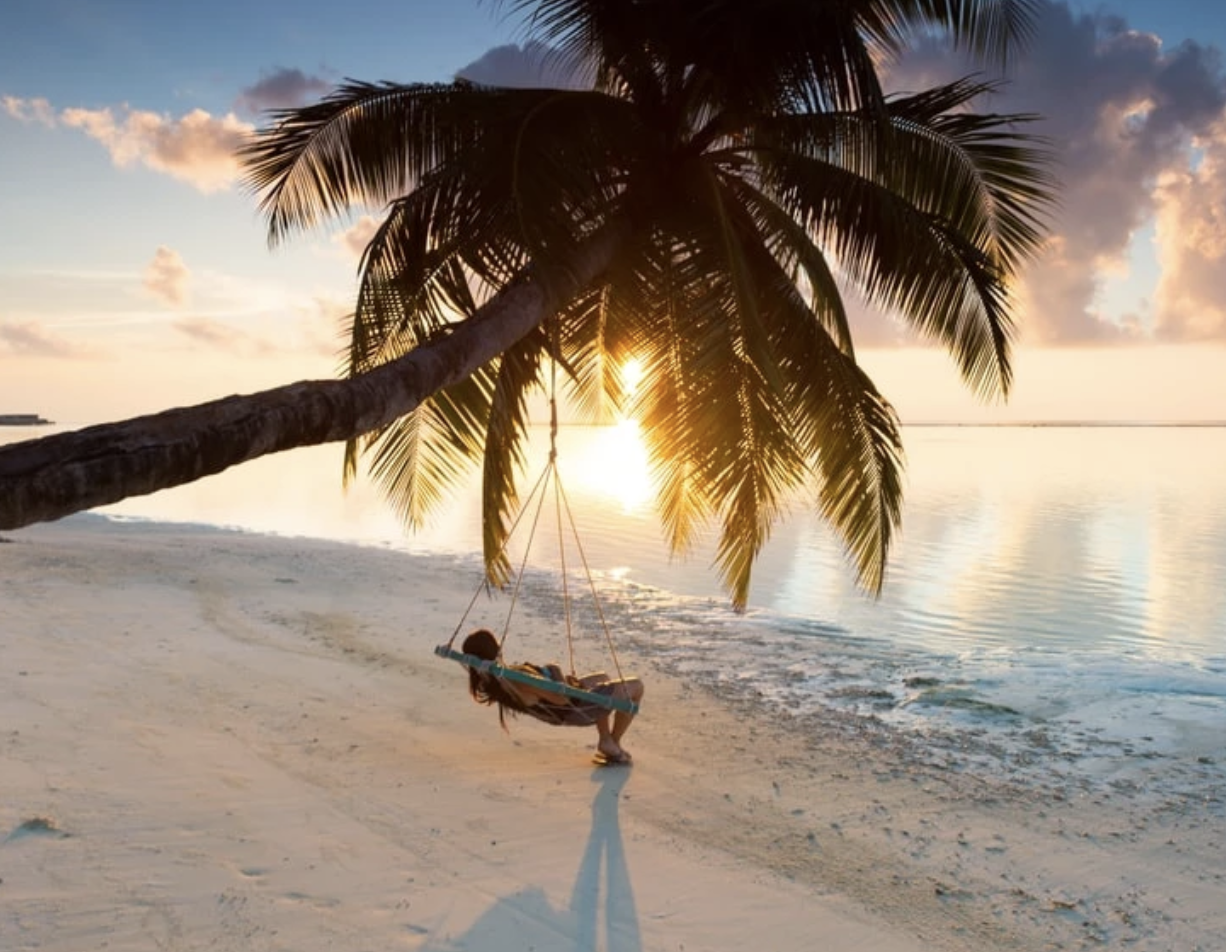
<point x="1057" y="596"/>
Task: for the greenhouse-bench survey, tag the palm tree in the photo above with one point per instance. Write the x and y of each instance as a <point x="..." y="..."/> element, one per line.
<point x="700" y="208"/>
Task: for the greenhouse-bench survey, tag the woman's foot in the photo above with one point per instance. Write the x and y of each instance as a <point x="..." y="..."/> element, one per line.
<point x="610" y="752"/>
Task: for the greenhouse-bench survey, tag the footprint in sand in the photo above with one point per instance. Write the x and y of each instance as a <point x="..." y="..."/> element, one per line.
<point x="292" y="896"/>
<point x="316" y="902"/>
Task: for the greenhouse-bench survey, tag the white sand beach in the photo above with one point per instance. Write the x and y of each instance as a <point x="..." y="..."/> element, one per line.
<point x="212" y="740"/>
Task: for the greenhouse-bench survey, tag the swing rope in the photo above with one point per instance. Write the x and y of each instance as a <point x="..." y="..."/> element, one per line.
<point x="604" y="625"/>
<point x="484" y="584"/>
<point x="563" y="516"/>
<point x="498" y="670"/>
<point x="557" y="482"/>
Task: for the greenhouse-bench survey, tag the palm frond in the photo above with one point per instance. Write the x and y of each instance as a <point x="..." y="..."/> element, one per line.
<point x="370" y="144"/>
<point x="977" y="172"/>
<point x="851" y="435"/>
<point x="595" y="356"/>
<point x="363" y="145"/>
<point x="739" y="56"/>
<point x="986" y="166"/>
<point x="713" y="410"/>
<point x="411" y="285"/>
<point x="860" y="462"/>
<point x="992" y="30"/>
<point x="673" y="334"/>
<point x="422" y="457"/>
<point x="792" y="245"/>
<point x="921" y="235"/>
<point x="857" y="461"/>
<point x="474" y="222"/>
<point x="518" y="374"/>
<point x="648" y="314"/>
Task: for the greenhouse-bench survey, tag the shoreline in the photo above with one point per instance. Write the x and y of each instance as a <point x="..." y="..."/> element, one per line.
<point x="246" y="740"/>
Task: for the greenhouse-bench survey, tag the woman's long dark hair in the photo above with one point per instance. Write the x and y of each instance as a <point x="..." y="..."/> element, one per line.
<point x="485" y="688"/>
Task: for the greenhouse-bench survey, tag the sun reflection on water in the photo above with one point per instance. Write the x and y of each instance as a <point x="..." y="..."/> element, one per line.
<point x="1105" y="539"/>
<point x="612" y="463"/>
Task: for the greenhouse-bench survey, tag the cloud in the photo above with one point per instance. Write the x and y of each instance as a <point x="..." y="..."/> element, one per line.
<point x="322" y="325"/>
<point x="355" y="238"/>
<point x="1191" y="237"/>
<point x="32" y="339"/>
<point x="295" y="327"/>
<point x="196" y="148"/>
<point x="1122" y="114"/>
<point x="531" y="66"/>
<point x="281" y="89"/>
<point x="167" y="277"/>
<point x="29" y="110"/>
<point x="217" y="335"/>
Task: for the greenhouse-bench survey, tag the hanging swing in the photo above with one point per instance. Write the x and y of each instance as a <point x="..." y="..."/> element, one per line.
<point x="584" y="706"/>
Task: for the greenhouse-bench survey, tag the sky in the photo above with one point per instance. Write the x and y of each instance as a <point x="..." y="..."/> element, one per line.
<point x="135" y="274"/>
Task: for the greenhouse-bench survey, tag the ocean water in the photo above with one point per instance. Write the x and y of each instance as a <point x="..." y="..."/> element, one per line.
<point x="1055" y="608"/>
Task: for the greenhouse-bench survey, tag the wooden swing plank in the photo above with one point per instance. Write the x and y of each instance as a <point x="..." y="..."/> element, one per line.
<point x="546" y="684"/>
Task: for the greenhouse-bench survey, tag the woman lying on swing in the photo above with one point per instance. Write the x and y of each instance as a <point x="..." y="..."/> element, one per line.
<point x="552" y="707"/>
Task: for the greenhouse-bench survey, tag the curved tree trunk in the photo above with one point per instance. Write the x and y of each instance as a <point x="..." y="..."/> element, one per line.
<point x="46" y="479"/>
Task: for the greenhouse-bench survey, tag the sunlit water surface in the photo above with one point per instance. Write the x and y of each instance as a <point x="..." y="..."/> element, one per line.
<point x="1056" y="600"/>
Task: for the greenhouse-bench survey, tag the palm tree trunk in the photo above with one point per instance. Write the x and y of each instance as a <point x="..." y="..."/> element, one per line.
<point x="49" y="478"/>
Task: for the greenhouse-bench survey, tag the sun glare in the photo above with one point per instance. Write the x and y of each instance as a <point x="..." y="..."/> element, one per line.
<point x="614" y="464"/>
<point x="632" y="372"/>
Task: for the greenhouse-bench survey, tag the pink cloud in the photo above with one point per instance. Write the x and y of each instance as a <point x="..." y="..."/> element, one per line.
<point x="197" y="148"/>
<point x="1122" y="113"/>
<point x="217" y="335"/>
<point x="1191" y="237"/>
<point x="29" y="110"/>
<point x="32" y="339"/>
<point x="355" y="238"/>
<point x="167" y="277"/>
<point x="320" y="330"/>
<point x="314" y="332"/>
<point x="281" y="89"/>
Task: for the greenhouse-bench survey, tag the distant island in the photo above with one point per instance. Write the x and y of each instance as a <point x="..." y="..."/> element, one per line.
<point x="22" y="419"/>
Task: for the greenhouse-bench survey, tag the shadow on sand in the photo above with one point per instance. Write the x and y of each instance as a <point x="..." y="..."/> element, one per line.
<point x="601" y="901"/>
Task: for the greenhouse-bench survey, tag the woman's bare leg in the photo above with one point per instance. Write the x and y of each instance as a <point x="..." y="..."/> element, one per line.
<point x="607" y="745"/>
<point x="630" y="689"/>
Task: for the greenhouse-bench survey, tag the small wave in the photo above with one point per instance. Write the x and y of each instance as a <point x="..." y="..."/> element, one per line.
<point x="961" y="700"/>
